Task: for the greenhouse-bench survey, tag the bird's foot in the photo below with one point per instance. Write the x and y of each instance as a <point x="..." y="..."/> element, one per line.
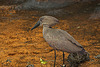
<point x="63" y="65"/>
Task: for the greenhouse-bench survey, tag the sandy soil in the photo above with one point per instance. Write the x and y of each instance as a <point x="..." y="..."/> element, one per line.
<point x="20" y="47"/>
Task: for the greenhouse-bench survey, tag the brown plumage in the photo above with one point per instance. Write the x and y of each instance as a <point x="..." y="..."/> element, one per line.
<point x="58" y="39"/>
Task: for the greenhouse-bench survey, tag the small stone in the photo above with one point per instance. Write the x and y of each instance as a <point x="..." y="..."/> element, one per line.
<point x="8" y="60"/>
<point x="30" y="65"/>
<point x="97" y="57"/>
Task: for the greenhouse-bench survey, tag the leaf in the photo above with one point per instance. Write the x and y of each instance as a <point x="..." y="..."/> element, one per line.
<point x="42" y="61"/>
<point x="78" y="27"/>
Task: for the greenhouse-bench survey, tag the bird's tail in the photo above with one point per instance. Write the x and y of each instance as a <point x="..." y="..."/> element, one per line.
<point x="83" y="52"/>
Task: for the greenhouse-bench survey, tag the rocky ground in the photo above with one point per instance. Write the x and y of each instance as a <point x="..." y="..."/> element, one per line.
<point x="19" y="46"/>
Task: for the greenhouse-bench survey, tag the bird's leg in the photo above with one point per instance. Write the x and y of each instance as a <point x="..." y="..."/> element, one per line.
<point x="55" y="57"/>
<point x="63" y="60"/>
<point x="63" y="57"/>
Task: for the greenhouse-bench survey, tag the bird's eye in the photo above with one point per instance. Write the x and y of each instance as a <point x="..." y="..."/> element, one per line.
<point x="41" y="19"/>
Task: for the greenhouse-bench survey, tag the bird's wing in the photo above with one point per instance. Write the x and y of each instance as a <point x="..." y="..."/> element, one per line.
<point x="61" y="40"/>
<point x="70" y="38"/>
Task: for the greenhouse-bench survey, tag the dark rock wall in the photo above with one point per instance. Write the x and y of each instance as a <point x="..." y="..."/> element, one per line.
<point x="35" y="4"/>
<point x="41" y="4"/>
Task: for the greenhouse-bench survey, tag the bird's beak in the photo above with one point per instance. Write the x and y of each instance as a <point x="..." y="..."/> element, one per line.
<point x="36" y="25"/>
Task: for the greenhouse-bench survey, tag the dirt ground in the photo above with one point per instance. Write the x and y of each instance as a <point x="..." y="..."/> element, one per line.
<point x="19" y="46"/>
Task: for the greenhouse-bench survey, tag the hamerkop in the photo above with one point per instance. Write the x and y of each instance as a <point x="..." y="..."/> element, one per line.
<point x="58" y="39"/>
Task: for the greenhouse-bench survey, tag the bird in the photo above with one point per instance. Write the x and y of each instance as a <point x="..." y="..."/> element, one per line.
<point x="58" y="39"/>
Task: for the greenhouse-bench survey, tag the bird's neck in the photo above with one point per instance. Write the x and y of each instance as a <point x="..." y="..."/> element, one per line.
<point x="46" y="29"/>
<point x="47" y="26"/>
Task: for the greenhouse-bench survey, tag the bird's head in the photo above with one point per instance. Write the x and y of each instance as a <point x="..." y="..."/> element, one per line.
<point x="46" y="21"/>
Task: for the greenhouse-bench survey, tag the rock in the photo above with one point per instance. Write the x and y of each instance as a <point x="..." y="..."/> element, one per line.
<point x="16" y="1"/>
<point x="35" y="4"/>
<point x="44" y="4"/>
<point x="56" y="12"/>
<point x="96" y="14"/>
<point x="87" y="0"/>
<point x="76" y="58"/>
